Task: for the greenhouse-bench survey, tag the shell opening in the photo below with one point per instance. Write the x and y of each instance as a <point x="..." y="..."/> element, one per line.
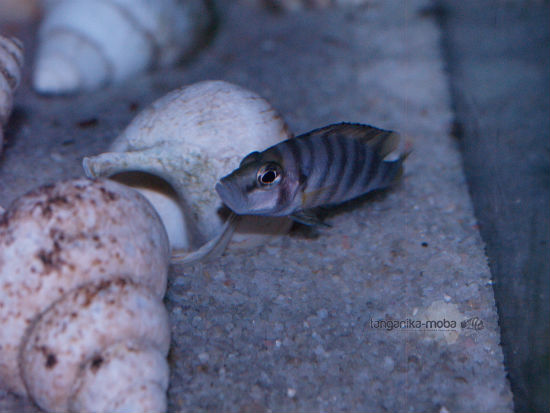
<point x="166" y="202"/>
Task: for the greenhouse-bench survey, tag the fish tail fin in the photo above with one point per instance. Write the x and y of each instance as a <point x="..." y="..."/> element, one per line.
<point x="389" y="144"/>
<point x="382" y="141"/>
<point x="391" y="168"/>
<point x="407" y="150"/>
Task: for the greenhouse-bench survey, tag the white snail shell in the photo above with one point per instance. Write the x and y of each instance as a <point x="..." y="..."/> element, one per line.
<point x="190" y="138"/>
<point x="11" y="62"/>
<point x="83" y="266"/>
<point x="98" y="322"/>
<point x="85" y="44"/>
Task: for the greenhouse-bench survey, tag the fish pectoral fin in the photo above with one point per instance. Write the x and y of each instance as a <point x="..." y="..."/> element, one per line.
<point x="309" y="217"/>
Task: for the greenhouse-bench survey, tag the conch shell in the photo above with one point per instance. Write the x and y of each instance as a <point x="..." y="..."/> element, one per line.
<point x="83" y="269"/>
<point x="11" y="61"/>
<point x="190" y="138"/>
<point x="85" y="44"/>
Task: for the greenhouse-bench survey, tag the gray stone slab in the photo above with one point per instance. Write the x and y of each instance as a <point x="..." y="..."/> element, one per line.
<point x="501" y="88"/>
<point x="292" y="326"/>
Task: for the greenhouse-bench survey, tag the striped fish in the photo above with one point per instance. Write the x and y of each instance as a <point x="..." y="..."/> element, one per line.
<point x="326" y="166"/>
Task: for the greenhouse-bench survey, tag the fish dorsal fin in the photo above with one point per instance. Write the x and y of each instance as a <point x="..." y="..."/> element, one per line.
<point x="251" y="157"/>
<point x="381" y="140"/>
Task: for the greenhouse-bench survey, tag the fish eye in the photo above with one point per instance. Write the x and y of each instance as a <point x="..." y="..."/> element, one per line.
<point x="269" y="174"/>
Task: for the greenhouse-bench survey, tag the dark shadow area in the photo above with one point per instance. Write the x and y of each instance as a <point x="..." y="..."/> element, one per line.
<point x="498" y="60"/>
<point x="17" y="119"/>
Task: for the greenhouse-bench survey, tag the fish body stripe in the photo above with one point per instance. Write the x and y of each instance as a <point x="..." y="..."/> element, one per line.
<point x="323" y="157"/>
<point x="354" y="160"/>
<point x="302" y="157"/>
<point x="292" y="148"/>
<point x="310" y="159"/>
<point x="333" y="154"/>
<point x="297" y="159"/>
<point x="361" y="163"/>
<point x="287" y="160"/>
<point x="363" y="169"/>
<point x="310" y="170"/>
<point x="337" y="168"/>
<point x="281" y="154"/>
<point x="371" y="169"/>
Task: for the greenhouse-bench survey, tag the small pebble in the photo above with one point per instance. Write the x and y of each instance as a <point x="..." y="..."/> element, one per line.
<point x="389" y="364"/>
<point x="272" y="250"/>
<point x="290" y="392"/>
<point x="322" y="313"/>
<point x="320" y="351"/>
<point x="447" y="298"/>
<point x="204" y="357"/>
<point x="219" y="276"/>
<point x="57" y="157"/>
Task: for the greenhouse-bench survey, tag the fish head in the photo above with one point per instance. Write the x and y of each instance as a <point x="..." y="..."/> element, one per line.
<point x="260" y="186"/>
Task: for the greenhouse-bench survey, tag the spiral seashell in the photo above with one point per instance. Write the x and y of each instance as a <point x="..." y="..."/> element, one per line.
<point x="11" y="62"/>
<point x="83" y="268"/>
<point x="96" y="329"/>
<point x="85" y="44"/>
<point x="190" y="138"/>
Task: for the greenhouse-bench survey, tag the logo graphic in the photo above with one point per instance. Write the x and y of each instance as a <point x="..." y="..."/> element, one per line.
<point x="474" y="323"/>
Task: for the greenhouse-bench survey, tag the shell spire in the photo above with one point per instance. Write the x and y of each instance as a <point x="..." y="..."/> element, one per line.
<point x="83" y="269"/>
<point x="85" y="44"/>
<point x="11" y="62"/>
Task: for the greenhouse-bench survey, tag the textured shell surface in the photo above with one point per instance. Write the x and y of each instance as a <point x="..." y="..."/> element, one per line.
<point x="136" y="369"/>
<point x="11" y="62"/>
<point x="191" y="137"/>
<point x="84" y="44"/>
<point x="83" y="326"/>
<point x="60" y="236"/>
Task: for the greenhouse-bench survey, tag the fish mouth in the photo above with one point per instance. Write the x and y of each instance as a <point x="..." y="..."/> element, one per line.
<point x="229" y="193"/>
